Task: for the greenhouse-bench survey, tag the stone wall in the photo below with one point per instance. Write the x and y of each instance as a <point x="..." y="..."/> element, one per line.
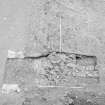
<point x="54" y="69"/>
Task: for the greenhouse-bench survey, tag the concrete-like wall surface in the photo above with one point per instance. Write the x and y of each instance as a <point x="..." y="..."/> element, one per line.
<point x="12" y="28"/>
<point x="34" y="26"/>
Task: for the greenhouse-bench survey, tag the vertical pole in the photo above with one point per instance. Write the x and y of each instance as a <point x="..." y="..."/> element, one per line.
<point x="60" y="36"/>
<point x="52" y="45"/>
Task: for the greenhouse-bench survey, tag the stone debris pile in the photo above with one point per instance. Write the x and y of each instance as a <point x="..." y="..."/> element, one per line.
<point x="61" y="67"/>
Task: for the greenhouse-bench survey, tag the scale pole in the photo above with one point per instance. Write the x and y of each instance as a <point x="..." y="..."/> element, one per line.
<point x="60" y="36"/>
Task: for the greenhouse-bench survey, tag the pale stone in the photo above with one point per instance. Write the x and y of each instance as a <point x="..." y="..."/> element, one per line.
<point x="11" y="54"/>
<point x="10" y="88"/>
<point x="14" y="54"/>
<point x="90" y="67"/>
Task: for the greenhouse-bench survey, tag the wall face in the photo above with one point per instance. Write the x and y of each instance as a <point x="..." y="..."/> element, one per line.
<point x="81" y="26"/>
<point x="34" y="26"/>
